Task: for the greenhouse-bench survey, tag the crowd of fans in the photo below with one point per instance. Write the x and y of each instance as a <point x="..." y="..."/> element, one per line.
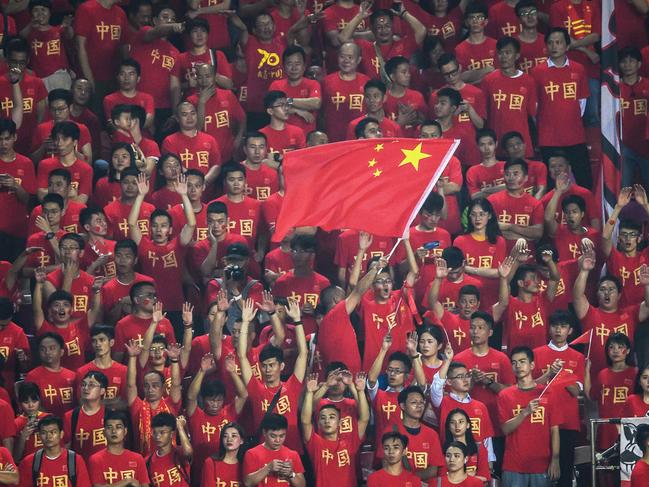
<point x="151" y="330"/>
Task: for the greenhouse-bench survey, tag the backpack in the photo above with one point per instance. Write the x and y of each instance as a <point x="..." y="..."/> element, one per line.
<point x="72" y="467"/>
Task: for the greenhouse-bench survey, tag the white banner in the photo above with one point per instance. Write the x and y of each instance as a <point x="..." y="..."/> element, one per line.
<point x="629" y="450"/>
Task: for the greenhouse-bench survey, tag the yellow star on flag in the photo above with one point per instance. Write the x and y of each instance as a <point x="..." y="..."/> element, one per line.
<point x="377" y="173"/>
<point x="372" y="163"/>
<point x="413" y="156"/>
<point x="378" y="148"/>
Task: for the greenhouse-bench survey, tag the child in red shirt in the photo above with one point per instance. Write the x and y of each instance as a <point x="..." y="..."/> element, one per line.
<point x="168" y="464"/>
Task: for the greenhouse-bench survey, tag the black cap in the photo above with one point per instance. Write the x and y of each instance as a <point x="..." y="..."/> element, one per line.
<point x="237" y="250"/>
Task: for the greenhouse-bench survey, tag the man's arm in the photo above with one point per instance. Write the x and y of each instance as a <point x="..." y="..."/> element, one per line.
<point x="142" y="190"/>
<point x="353" y="300"/>
<point x="176" y="390"/>
<point x="306" y="416"/>
<point x="37" y="298"/>
<point x="133" y="350"/>
<point x="377" y="365"/>
<point x="95" y="312"/>
<point x="347" y="34"/>
<point x="364" y="242"/>
<point x="555" y="276"/>
<point x="216" y="326"/>
<point x="84" y="63"/>
<point x="185" y="443"/>
<point x="549" y="216"/>
<point x="417" y="27"/>
<point x="207" y="363"/>
<point x="623" y="199"/>
<point x="361" y="401"/>
<point x="643" y="312"/>
<point x="239" y="386"/>
<point x="586" y="262"/>
<point x="248" y="313"/>
<point x="162" y="30"/>
<point x="504" y="275"/>
<point x="512" y="424"/>
<point x="147" y="339"/>
<point x="441" y="273"/>
<point x="554" y="470"/>
<point x="293" y="312"/>
<point x="187" y="232"/>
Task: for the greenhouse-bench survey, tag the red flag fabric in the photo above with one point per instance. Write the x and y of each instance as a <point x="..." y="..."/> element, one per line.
<point x="584" y="338"/>
<point x="375" y="185"/>
<point x="564" y="378"/>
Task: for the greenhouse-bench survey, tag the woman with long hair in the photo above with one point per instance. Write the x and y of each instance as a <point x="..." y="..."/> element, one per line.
<point x="637" y="405"/>
<point x="484" y="248"/>
<point x="455" y="456"/>
<point x="108" y="188"/>
<point x="225" y="468"/>
<point x="458" y="430"/>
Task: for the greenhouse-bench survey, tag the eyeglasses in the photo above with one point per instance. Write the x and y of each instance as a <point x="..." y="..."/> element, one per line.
<point x="460" y="376"/>
<point x="280" y="105"/>
<point x="451" y="73"/>
<point x="629" y="234"/>
<point x="381" y="282"/>
<point x="479" y="18"/>
<point x="89" y="385"/>
<point x="302" y="251"/>
<point x="528" y="13"/>
<point x="156" y="349"/>
<point x="66" y="248"/>
<point x="391" y="371"/>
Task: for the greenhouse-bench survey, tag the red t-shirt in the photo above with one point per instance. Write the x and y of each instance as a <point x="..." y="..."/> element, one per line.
<point x="108" y="468"/>
<point x="44" y="130"/>
<point x="33" y="441"/>
<point x="199" y="152"/>
<point x="636" y="407"/>
<point x="510" y="101"/>
<point x="43" y="257"/>
<point x="69" y="218"/>
<point x="424" y="448"/>
<point x="164" y="264"/>
<point x="263" y="60"/>
<point x="592" y="210"/>
<point x="378" y="319"/>
<point x="165" y="198"/>
<point x="244" y="216"/>
<point x="342" y="101"/>
<point x="76" y="338"/>
<point x="205" y="432"/>
<point x="611" y="390"/>
<point x="481" y="426"/>
<point x="370" y="62"/>
<point x="498" y="367"/>
<point x="168" y="470"/>
<point x="8" y="427"/>
<point x="476" y="56"/>
<point x="381" y="478"/>
<point x="640" y="474"/>
<point x="523" y="210"/>
<point x="80" y="171"/>
<point x="528" y="447"/>
<point x="198" y="252"/>
<point x="634" y="115"/>
<point x="503" y="21"/>
<point x="559" y="113"/>
<point x="104" y="30"/>
<point x="261" y="182"/>
<point x="223" y="116"/>
<point x="57" y="389"/>
<point x="113" y="290"/>
<point x="532" y="53"/>
<point x="336" y="324"/>
<point x="116" y="375"/>
<point x="159" y="56"/>
<point x="470" y="481"/>
<point x="186" y="61"/>
<point x="260" y="396"/>
<point x="106" y="192"/>
<point x="291" y="138"/>
<point x="117" y="215"/>
<point x="467" y="152"/>
<point x="270" y="209"/>
<point x="14" y="213"/>
<point x="53" y="470"/>
<point x="91" y="253"/>
<point x="306" y="88"/>
<point x="480" y="177"/>
<point x="347" y="247"/>
<point x="624" y="321"/>
<point x="88" y="437"/>
<point x="574" y="364"/>
<point x="627" y="270"/>
<point x="334" y="459"/>
<point x="220" y="473"/>
<point x="448" y="27"/>
<point x="471" y="94"/>
<point x="34" y="91"/>
<point x="12" y="337"/>
<point x="141" y="99"/>
<point x="411" y="98"/>
<point x="348" y="416"/>
<point x="387" y="412"/>
<point x="259" y="456"/>
<point x="136" y="409"/>
<point x="81" y="290"/>
<point x="526" y="323"/>
<point x="132" y="327"/>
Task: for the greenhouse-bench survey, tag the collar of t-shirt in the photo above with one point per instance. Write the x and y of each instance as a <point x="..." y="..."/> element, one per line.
<point x="457" y="398"/>
<point x="552" y="65"/>
<point x="413" y="431"/>
<point x="552" y="346"/>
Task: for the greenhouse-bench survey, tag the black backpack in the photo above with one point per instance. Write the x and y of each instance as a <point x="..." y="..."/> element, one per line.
<point x="72" y="467"/>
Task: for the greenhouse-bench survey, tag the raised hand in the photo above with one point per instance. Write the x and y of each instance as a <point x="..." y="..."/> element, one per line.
<point x="40" y="274"/>
<point x="587" y="245"/>
<point x="97" y="283"/>
<point x="448" y="352"/>
<point x="546" y="256"/>
<point x="364" y="241"/>
<point x="181" y="422"/>
<point x="293" y="310"/>
<point x="267" y="304"/>
<point x="624" y="197"/>
<point x="441" y="268"/>
<point x="640" y="194"/>
<point x="366" y="8"/>
<point x="586" y="261"/>
<point x="157" y="314"/>
<point x="188" y="313"/>
<point x="207" y="362"/>
<point x="173" y="351"/>
<point x="133" y="348"/>
<point x="312" y="383"/>
<point x="360" y="380"/>
<point x="520" y="251"/>
<point x="42" y="224"/>
<point x="346" y="377"/>
<point x="248" y="310"/>
<point x="222" y="303"/>
<point x="387" y="342"/>
<point x="31" y="250"/>
<point x="643" y="274"/>
<point x="142" y="184"/>
<point x="411" y="343"/>
<point x="180" y="184"/>
<point x="505" y="267"/>
<point x="563" y="182"/>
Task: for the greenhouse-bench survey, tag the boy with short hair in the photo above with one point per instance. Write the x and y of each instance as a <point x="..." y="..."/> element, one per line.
<point x="394" y="446"/>
<point x="168" y="464"/>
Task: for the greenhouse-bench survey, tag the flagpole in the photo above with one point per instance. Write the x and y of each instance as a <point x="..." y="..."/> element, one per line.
<point x="389" y="256"/>
<point x="551" y="380"/>
<point x="590" y="341"/>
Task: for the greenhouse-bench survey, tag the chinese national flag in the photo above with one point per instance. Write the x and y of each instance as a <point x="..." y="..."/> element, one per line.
<point x="374" y="185"/>
<point x="582" y="339"/>
<point x="563" y="379"/>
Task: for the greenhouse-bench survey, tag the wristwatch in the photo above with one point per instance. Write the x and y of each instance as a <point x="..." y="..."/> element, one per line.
<point x="50" y="235"/>
<point x="289" y="101"/>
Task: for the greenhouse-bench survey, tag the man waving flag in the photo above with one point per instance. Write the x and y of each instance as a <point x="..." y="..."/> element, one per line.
<point x="375" y="185"/>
